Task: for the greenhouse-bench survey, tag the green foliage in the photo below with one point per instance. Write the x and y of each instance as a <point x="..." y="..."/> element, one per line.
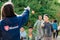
<point x="41" y="7"/>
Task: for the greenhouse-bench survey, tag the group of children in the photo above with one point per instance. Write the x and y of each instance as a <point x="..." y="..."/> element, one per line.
<point x="27" y="35"/>
<point x="44" y="29"/>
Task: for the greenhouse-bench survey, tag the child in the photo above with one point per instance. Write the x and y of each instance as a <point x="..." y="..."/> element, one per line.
<point x="30" y="35"/>
<point x="47" y="28"/>
<point x="55" y="29"/>
<point x="39" y="29"/>
<point x="11" y="23"/>
<point x="22" y="33"/>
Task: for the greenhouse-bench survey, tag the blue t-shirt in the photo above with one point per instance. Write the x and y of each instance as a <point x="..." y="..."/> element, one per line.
<point x="55" y="27"/>
<point x="14" y="24"/>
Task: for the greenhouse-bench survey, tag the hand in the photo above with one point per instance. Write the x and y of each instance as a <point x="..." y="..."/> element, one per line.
<point x="54" y="30"/>
<point x="28" y="8"/>
<point x="42" y="25"/>
<point x="6" y="28"/>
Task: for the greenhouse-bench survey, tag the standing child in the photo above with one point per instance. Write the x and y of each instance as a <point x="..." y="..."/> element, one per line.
<point x="38" y="27"/>
<point x="47" y="28"/>
<point x="55" y="29"/>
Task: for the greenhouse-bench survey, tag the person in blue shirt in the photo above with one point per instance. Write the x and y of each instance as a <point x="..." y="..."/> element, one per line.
<point x="23" y="33"/>
<point x="11" y="23"/>
<point x="55" y="29"/>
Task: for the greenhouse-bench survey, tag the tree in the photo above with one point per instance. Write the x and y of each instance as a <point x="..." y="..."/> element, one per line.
<point x="40" y="7"/>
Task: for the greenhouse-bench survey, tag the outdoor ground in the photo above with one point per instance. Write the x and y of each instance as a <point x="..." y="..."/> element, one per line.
<point x="58" y="38"/>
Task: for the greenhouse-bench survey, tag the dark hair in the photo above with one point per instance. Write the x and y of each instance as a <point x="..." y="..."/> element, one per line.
<point x="46" y="15"/>
<point x="55" y="21"/>
<point x="30" y="27"/>
<point x="8" y="11"/>
<point x="22" y="27"/>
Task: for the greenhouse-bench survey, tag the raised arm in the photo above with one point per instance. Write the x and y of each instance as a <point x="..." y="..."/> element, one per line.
<point x="35" y="24"/>
<point x="25" y="16"/>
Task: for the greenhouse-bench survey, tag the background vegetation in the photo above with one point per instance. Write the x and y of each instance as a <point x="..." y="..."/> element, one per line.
<point x="40" y="7"/>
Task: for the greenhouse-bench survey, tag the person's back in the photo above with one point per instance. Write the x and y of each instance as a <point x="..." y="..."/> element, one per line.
<point x="11" y="23"/>
<point x="13" y="29"/>
<point x="55" y="29"/>
<point x="10" y="28"/>
<point x="54" y="26"/>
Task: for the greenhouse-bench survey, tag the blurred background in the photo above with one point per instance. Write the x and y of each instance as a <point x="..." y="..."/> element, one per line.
<point x="38" y="7"/>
